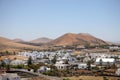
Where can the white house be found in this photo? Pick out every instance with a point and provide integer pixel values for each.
(61, 65)
(86, 59)
(10, 76)
(82, 66)
(112, 48)
(6, 61)
(17, 62)
(104, 61)
(43, 69)
(118, 72)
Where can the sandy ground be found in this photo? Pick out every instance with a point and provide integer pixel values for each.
(92, 78)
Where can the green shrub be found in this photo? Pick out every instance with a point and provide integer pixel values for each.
(104, 78)
(17, 66)
(66, 79)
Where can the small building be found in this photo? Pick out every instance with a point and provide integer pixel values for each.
(105, 61)
(61, 65)
(114, 48)
(10, 76)
(82, 66)
(80, 47)
(44, 61)
(6, 61)
(118, 72)
(43, 69)
(17, 62)
(117, 64)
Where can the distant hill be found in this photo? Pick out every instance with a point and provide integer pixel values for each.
(18, 40)
(110, 43)
(77, 39)
(7, 43)
(113, 43)
(68, 39)
(41, 40)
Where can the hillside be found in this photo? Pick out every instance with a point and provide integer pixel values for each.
(7, 43)
(18, 40)
(41, 40)
(77, 39)
(68, 39)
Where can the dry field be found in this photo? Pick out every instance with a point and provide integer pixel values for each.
(92, 78)
(12, 57)
(115, 53)
(78, 52)
(9, 44)
(11, 50)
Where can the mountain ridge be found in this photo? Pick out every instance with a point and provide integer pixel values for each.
(41, 40)
(18, 40)
(67, 39)
(80, 39)
(8, 43)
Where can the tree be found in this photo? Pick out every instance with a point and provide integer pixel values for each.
(3, 64)
(54, 60)
(7, 53)
(29, 61)
(108, 65)
(34, 67)
(14, 53)
(116, 58)
(89, 65)
(66, 61)
(101, 62)
(8, 67)
(52, 67)
(105, 78)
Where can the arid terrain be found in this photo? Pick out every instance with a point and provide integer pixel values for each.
(77, 39)
(68, 39)
(93, 78)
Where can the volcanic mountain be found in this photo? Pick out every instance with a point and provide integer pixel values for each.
(41, 40)
(7, 43)
(77, 39)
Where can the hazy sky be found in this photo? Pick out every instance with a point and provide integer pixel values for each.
(30, 19)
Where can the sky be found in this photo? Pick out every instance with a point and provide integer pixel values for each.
(31, 19)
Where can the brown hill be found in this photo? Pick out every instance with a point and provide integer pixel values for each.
(41, 40)
(77, 39)
(7, 43)
(18, 40)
